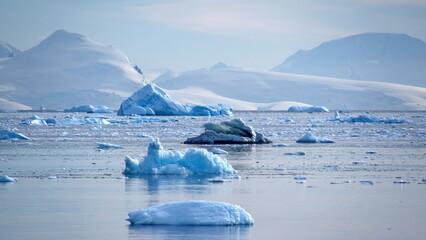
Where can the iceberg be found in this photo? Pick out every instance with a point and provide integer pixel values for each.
(162, 162)
(6, 135)
(368, 119)
(307, 109)
(6, 178)
(310, 138)
(106, 146)
(152, 100)
(233, 131)
(90, 109)
(69, 120)
(199, 213)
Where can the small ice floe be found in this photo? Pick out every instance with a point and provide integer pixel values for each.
(368, 119)
(348, 181)
(219, 151)
(52, 177)
(359, 162)
(163, 162)
(370, 182)
(279, 145)
(9, 135)
(310, 138)
(295, 153)
(331, 165)
(300, 181)
(299, 177)
(424, 180)
(401, 181)
(218, 180)
(336, 182)
(280, 169)
(307, 109)
(6, 179)
(370, 152)
(233, 131)
(106, 146)
(199, 213)
(90, 109)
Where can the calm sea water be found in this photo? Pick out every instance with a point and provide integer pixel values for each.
(90, 199)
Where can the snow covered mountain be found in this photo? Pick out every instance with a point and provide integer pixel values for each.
(383, 57)
(6, 50)
(67, 69)
(271, 90)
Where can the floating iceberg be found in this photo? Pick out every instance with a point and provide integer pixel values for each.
(310, 138)
(90, 109)
(219, 151)
(192, 161)
(6, 135)
(152, 100)
(6, 178)
(307, 109)
(108, 146)
(368, 119)
(234, 131)
(69, 120)
(200, 213)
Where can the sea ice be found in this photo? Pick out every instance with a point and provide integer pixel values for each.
(205, 213)
(233, 131)
(307, 109)
(152, 100)
(90, 109)
(310, 138)
(368, 119)
(6, 178)
(162, 162)
(7, 135)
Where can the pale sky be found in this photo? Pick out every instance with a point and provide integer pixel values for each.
(189, 34)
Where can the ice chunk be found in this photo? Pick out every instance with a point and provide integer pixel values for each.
(307, 109)
(152, 100)
(218, 180)
(295, 153)
(300, 177)
(219, 151)
(192, 161)
(279, 145)
(367, 182)
(368, 119)
(234, 131)
(310, 138)
(90, 109)
(6, 178)
(205, 213)
(7, 135)
(401, 181)
(108, 146)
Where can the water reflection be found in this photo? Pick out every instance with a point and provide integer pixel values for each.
(188, 232)
(153, 185)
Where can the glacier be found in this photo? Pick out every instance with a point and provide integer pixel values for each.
(162, 162)
(152, 100)
(233, 131)
(199, 213)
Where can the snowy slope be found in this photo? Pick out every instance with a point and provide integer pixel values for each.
(6, 50)
(269, 88)
(383, 57)
(68, 69)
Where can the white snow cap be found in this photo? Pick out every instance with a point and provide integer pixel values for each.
(203, 213)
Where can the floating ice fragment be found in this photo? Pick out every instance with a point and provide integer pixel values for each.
(307, 109)
(401, 181)
(52, 177)
(6, 178)
(295, 153)
(218, 180)
(219, 151)
(366, 182)
(106, 146)
(279, 145)
(202, 213)
(162, 162)
(359, 162)
(310, 138)
(331, 165)
(370, 152)
(301, 181)
(368, 119)
(300, 178)
(234, 131)
(89, 109)
(8, 135)
(280, 169)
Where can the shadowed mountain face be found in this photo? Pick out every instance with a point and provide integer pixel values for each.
(68, 69)
(384, 57)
